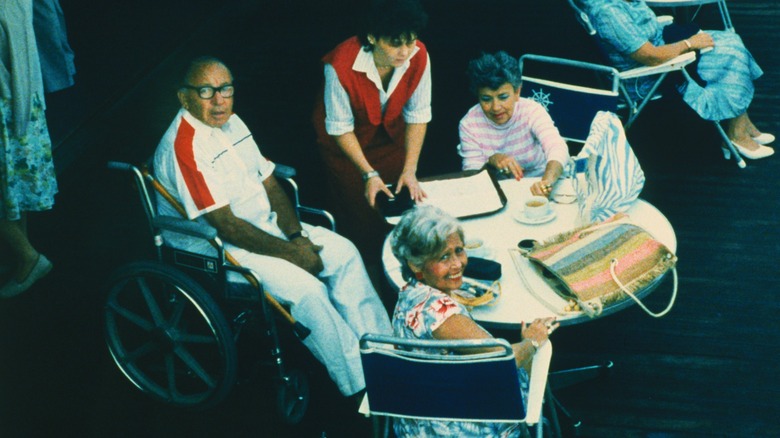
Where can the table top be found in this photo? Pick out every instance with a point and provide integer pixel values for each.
(681, 3)
(500, 233)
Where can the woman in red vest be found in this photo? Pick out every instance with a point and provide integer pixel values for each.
(372, 117)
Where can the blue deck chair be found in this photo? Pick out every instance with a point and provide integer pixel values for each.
(572, 107)
(414, 384)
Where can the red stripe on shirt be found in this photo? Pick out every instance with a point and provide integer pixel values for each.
(185, 157)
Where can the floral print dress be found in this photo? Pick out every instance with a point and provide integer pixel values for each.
(420, 310)
(27, 178)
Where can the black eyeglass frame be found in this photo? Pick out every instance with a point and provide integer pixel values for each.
(207, 91)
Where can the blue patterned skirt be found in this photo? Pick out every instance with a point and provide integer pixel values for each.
(729, 70)
(27, 178)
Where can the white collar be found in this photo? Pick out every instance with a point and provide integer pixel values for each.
(364, 63)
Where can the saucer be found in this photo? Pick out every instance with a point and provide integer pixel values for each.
(519, 216)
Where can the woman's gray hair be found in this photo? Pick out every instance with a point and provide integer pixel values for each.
(420, 235)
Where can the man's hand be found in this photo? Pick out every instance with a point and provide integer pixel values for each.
(306, 256)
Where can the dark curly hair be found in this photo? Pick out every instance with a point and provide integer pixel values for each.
(492, 71)
(392, 19)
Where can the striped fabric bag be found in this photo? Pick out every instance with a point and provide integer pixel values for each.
(607, 177)
(605, 263)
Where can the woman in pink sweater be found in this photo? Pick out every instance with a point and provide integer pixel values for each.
(513, 134)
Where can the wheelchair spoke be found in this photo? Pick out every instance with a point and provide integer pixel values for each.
(140, 352)
(178, 311)
(195, 339)
(154, 308)
(170, 371)
(131, 316)
(194, 366)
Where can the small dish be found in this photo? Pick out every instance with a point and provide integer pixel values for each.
(520, 216)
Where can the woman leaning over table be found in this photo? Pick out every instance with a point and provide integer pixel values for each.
(372, 117)
(629, 32)
(429, 245)
(513, 134)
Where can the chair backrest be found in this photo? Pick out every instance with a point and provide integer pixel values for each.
(413, 379)
(572, 107)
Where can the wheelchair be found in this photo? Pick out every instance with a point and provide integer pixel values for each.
(172, 324)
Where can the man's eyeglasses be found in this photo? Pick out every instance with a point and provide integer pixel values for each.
(207, 91)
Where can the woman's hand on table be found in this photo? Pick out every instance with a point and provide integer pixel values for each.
(506, 165)
(408, 179)
(541, 188)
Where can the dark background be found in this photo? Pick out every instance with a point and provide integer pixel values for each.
(707, 369)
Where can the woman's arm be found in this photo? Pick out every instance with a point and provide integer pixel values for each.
(349, 144)
(552, 172)
(413, 140)
(651, 55)
(463, 327)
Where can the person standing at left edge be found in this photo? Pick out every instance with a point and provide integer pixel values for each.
(372, 118)
(27, 178)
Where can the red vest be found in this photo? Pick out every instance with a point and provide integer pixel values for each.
(364, 98)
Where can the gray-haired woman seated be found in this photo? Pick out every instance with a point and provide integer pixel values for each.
(429, 245)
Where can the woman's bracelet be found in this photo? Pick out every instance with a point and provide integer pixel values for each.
(687, 43)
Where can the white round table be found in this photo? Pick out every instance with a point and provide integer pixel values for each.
(500, 233)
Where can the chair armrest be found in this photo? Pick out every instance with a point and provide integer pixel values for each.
(327, 217)
(674, 64)
(540, 367)
(665, 20)
(184, 226)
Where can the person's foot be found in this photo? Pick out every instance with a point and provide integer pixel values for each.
(14, 287)
(752, 150)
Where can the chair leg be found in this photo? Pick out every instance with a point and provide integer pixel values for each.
(566, 378)
(729, 150)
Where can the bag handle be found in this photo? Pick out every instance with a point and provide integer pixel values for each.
(613, 264)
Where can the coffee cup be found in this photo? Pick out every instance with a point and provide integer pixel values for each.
(475, 248)
(536, 207)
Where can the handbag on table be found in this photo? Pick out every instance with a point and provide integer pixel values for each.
(604, 263)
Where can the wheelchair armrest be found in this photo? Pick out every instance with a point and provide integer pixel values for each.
(671, 65)
(184, 226)
(284, 171)
(327, 218)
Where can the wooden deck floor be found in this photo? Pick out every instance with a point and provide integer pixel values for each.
(706, 369)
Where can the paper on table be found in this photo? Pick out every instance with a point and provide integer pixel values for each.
(461, 197)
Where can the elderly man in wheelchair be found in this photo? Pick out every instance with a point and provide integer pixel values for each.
(210, 164)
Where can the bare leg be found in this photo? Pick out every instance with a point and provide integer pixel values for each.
(14, 235)
(739, 129)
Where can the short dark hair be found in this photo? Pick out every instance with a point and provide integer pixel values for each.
(493, 70)
(196, 64)
(392, 19)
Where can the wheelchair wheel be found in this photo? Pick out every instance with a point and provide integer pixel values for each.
(168, 336)
(293, 396)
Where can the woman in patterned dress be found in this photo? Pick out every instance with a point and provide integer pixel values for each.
(27, 178)
(429, 245)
